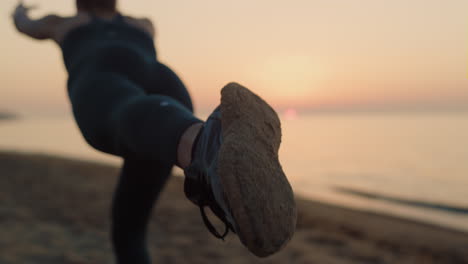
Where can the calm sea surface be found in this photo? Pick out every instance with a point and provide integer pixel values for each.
(411, 165)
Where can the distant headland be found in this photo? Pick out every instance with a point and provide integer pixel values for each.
(5, 115)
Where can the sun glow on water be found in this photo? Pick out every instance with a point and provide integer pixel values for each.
(290, 114)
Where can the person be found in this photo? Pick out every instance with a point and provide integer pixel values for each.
(127, 103)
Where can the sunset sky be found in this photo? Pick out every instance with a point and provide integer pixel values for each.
(304, 54)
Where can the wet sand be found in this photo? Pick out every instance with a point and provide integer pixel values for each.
(55, 210)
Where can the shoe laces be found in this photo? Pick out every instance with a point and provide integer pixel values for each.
(207, 200)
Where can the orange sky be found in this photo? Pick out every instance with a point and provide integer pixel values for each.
(299, 53)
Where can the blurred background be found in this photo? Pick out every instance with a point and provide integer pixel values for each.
(373, 95)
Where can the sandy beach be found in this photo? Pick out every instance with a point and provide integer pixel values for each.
(55, 210)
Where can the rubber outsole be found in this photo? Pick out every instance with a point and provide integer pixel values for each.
(254, 185)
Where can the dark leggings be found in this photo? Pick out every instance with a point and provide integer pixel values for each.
(140, 118)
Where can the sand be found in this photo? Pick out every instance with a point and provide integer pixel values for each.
(56, 210)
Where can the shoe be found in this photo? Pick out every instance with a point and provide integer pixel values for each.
(235, 171)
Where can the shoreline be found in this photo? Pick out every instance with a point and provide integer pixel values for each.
(115, 162)
(325, 233)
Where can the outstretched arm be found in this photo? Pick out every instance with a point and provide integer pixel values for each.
(43, 28)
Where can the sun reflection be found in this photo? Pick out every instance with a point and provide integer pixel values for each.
(290, 114)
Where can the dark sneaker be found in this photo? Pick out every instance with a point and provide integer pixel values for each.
(235, 171)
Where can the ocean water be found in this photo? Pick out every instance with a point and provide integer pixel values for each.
(409, 165)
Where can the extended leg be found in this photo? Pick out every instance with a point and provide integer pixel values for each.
(139, 186)
(118, 117)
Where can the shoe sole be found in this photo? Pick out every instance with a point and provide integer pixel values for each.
(254, 185)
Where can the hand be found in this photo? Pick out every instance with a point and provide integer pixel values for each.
(21, 9)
